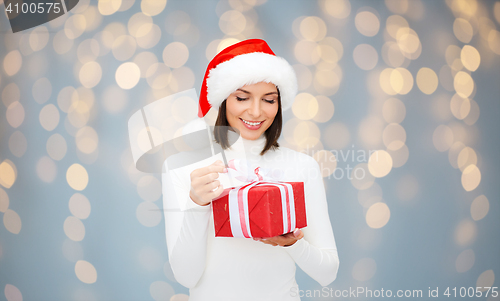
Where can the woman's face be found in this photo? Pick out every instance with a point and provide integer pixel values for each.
(251, 109)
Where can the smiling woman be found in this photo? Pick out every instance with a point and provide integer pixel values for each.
(250, 86)
(253, 110)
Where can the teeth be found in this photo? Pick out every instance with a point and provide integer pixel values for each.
(252, 123)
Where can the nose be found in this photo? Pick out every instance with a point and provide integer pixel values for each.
(255, 110)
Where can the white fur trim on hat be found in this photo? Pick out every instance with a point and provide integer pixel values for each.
(252, 68)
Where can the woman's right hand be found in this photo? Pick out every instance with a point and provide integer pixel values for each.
(204, 184)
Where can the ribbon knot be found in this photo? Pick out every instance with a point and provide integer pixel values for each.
(242, 171)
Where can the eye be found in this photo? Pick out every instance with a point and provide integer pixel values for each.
(240, 99)
(271, 101)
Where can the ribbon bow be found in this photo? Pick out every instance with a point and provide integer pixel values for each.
(242, 171)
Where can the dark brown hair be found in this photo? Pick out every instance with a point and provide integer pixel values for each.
(272, 133)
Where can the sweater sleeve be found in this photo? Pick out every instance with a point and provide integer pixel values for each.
(316, 253)
(186, 228)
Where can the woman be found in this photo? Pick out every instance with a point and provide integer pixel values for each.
(250, 86)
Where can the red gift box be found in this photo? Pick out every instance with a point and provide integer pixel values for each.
(267, 212)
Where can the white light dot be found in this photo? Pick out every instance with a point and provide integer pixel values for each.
(465, 261)
(15, 114)
(378, 215)
(394, 110)
(144, 60)
(161, 290)
(367, 23)
(149, 188)
(77, 177)
(442, 138)
(479, 207)
(175, 54)
(75, 26)
(12, 62)
(108, 7)
(49, 117)
(56, 146)
(471, 177)
(179, 297)
(364, 269)
(485, 280)
(153, 7)
(85, 271)
(380, 163)
(79, 206)
(465, 232)
(42, 89)
(365, 56)
(305, 106)
(87, 140)
(12, 293)
(90, 74)
(10, 94)
(74, 228)
(46, 169)
(127, 75)
(62, 43)
(124, 47)
(339, 9)
(12, 221)
(325, 109)
(427, 80)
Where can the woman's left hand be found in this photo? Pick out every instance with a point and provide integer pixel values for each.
(284, 240)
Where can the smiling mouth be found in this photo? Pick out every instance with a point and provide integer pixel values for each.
(252, 123)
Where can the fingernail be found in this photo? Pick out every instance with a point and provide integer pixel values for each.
(224, 170)
(296, 232)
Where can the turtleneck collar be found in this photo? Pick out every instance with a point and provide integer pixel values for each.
(251, 148)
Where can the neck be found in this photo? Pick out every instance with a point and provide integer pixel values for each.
(251, 148)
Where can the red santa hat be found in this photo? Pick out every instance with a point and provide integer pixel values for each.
(245, 63)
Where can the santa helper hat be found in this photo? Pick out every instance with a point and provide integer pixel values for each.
(245, 63)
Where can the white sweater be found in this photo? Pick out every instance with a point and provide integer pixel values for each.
(227, 268)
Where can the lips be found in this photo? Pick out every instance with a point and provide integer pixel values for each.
(252, 125)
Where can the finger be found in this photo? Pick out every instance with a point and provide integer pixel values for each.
(212, 186)
(268, 242)
(208, 178)
(217, 168)
(214, 194)
(221, 164)
(298, 233)
(218, 162)
(200, 172)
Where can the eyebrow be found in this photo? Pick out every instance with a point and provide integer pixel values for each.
(250, 93)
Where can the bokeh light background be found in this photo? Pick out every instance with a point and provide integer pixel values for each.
(412, 84)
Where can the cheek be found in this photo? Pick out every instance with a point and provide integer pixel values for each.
(271, 111)
(233, 108)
